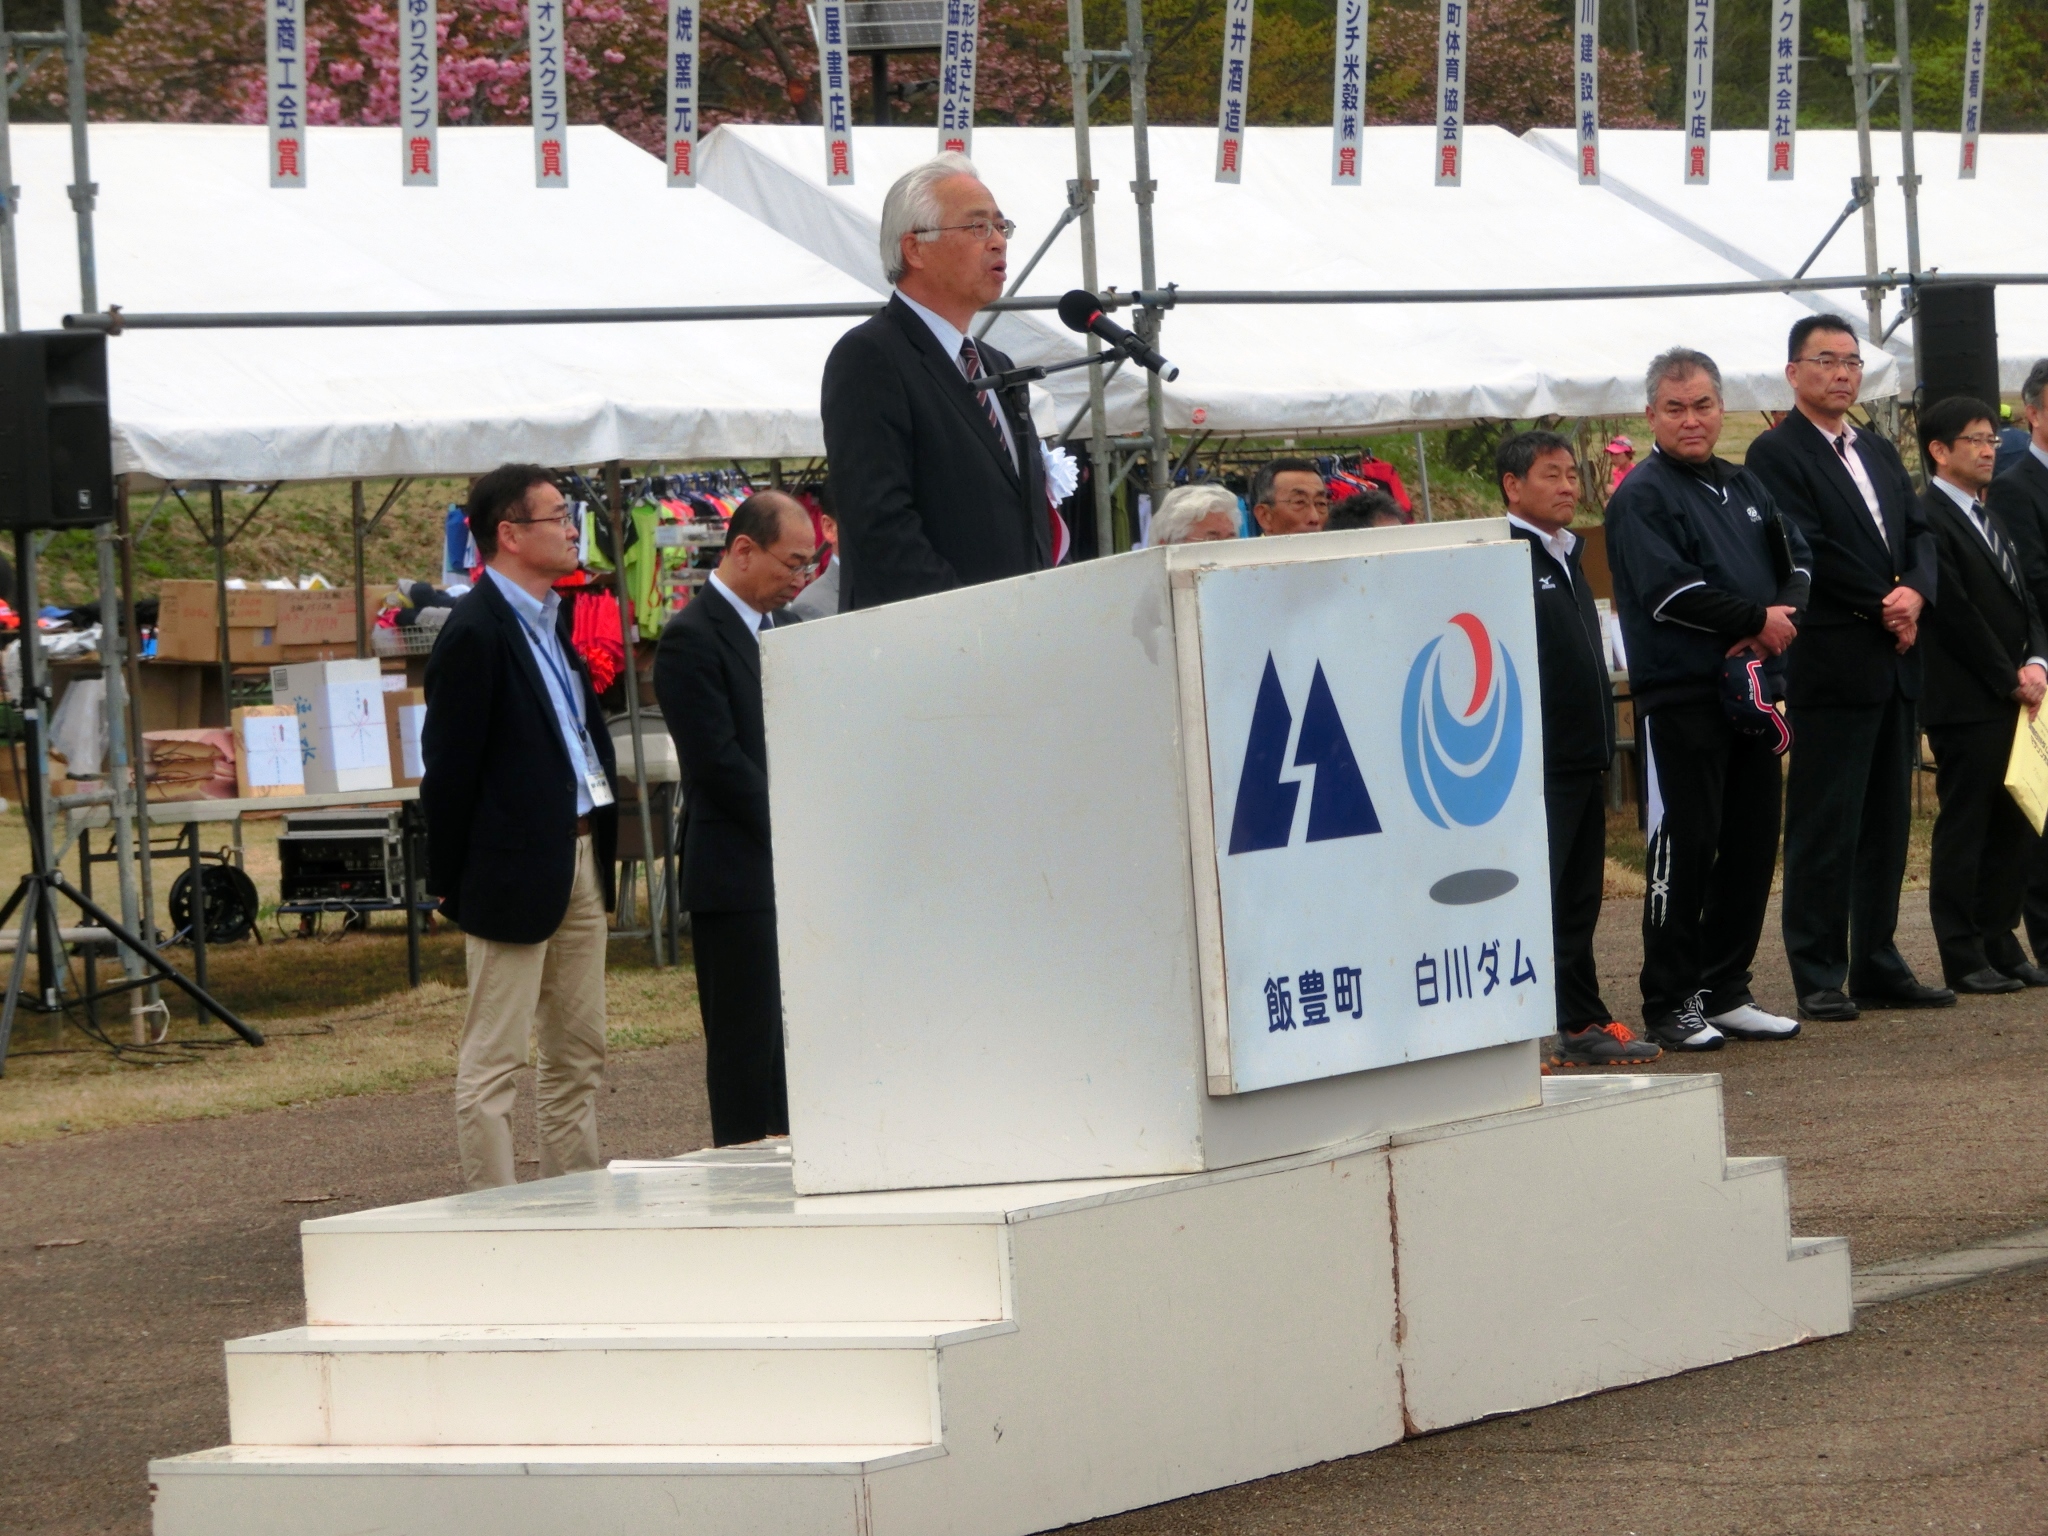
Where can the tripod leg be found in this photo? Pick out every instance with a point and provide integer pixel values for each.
(26, 895)
(160, 965)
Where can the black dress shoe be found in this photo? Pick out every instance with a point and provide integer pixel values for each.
(1829, 1006)
(1914, 994)
(2026, 972)
(1988, 980)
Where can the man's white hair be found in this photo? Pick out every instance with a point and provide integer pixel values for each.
(912, 206)
(1187, 505)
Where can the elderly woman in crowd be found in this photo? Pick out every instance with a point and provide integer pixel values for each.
(1194, 514)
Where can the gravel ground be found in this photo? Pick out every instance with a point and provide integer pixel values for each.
(1911, 1133)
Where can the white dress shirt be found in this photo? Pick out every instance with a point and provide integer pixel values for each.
(1845, 449)
(949, 337)
(2038, 452)
(1560, 544)
(752, 617)
(537, 617)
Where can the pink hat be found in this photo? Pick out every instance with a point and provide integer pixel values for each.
(1621, 445)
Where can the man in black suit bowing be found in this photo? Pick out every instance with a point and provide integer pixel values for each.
(519, 796)
(1853, 681)
(936, 485)
(707, 677)
(2019, 499)
(1985, 650)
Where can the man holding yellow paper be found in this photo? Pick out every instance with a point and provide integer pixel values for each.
(1985, 648)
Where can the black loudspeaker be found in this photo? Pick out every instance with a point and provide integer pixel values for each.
(1958, 343)
(56, 439)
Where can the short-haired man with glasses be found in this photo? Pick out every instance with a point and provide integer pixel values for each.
(1852, 683)
(519, 795)
(2019, 498)
(1985, 663)
(707, 677)
(1290, 496)
(937, 485)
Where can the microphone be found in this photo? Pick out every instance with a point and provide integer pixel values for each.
(1080, 311)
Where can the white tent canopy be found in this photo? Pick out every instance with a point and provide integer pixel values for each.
(1519, 220)
(187, 222)
(1995, 223)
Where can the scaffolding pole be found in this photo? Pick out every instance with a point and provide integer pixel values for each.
(1143, 189)
(1081, 195)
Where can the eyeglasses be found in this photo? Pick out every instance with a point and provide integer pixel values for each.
(981, 229)
(1981, 439)
(566, 519)
(1296, 500)
(1832, 360)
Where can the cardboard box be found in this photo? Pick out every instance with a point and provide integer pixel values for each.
(250, 644)
(293, 654)
(340, 705)
(317, 618)
(188, 621)
(269, 752)
(405, 718)
(255, 608)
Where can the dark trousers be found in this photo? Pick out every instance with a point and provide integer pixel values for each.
(739, 991)
(1977, 878)
(1848, 814)
(1576, 810)
(1713, 825)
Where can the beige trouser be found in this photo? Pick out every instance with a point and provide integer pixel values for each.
(553, 994)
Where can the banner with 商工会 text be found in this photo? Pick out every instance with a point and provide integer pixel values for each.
(1973, 88)
(1237, 70)
(956, 76)
(1586, 89)
(419, 93)
(284, 57)
(1347, 103)
(548, 86)
(1453, 18)
(1784, 87)
(829, 19)
(1699, 89)
(681, 156)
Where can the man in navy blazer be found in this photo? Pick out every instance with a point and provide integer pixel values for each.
(1853, 680)
(520, 798)
(707, 677)
(935, 485)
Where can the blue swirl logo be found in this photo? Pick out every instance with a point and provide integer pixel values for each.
(1462, 763)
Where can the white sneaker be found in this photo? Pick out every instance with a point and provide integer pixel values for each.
(1750, 1022)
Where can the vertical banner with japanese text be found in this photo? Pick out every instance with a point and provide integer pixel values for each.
(1973, 89)
(549, 88)
(284, 39)
(1452, 20)
(1586, 89)
(1237, 69)
(1699, 88)
(1784, 87)
(1347, 104)
(837, 103)
(956, 76)
(419, 93)
(682, 93)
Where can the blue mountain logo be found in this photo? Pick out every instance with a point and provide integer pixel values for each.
(1338, 806)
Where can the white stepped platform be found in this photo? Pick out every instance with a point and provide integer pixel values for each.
(691, 1347)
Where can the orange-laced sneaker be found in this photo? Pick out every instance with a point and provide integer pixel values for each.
(1612, 1044)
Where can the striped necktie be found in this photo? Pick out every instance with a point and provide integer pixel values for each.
(2000, 550)
(970, 365)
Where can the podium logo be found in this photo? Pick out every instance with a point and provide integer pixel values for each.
(1338, 805)
(1462, 762)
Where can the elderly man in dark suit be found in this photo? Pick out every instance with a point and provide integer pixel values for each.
(936, 485)
(2019, 499)
(1985, 650)
(707, 676)
(519, 795)
(1852, 684)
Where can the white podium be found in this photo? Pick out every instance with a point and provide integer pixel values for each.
(1165, 944)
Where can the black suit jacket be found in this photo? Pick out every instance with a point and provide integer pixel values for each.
(2020, 498)
(1981, 631)
(1844, 654)
(927, 496)
(1578, 693)
(707, 678)
(500, 790)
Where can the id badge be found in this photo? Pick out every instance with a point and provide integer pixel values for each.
(600, 788)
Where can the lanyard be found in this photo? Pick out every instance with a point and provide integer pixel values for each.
(555, 668)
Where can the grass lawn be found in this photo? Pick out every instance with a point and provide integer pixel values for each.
(335, 1009)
